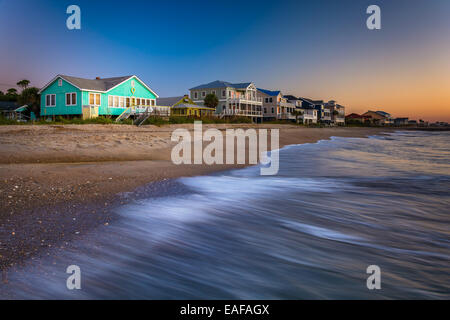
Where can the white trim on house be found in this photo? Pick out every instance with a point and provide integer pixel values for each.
(53, 80)
(95, 94)
(50, 95)
(71, 100)
(142, 82)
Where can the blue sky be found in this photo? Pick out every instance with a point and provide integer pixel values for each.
(319, 49)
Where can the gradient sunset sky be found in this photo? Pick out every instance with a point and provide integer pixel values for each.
(317, 49)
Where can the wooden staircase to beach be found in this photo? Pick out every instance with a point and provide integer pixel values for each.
(142, 117)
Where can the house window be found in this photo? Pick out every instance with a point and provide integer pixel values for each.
(110, 101)
(267, 100)
(273, 110)
(50, 100)
(127, 100)
(94, 99)
(224, 93)
(213, 92)
(270, 100)
(60, 83)
(116, 101)
(195, 95)
(71, 99)
(121, 102)
(265, 110)
(138, 101)
(153, 103)
(203, 93)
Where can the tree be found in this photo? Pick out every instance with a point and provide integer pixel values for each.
(23, 83)
(11, 91)
(11, 95)
(211, 101)
(30, 97)
(297, 113)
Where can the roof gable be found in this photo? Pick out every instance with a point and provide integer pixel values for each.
(222, 84)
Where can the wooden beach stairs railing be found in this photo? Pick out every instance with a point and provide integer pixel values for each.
(125, 114)
(141, 113)
(143, 116)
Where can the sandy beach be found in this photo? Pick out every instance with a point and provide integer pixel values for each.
(57, 182)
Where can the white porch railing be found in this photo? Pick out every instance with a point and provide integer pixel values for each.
(246, 100)
(236, 112)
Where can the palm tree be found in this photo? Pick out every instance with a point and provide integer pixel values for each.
(23, 83)
(297, 113)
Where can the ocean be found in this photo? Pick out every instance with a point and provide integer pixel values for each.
(310, 232)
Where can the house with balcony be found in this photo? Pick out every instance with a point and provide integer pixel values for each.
(323, 111)
(79, 97)
(235, 99)
(275, 106)
(337, 112)
(308, 112)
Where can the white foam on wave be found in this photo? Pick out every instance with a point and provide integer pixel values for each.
(322, 232)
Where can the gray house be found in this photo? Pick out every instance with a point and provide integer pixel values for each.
(235, 99)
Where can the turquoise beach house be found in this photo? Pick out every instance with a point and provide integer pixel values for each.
(88, 98)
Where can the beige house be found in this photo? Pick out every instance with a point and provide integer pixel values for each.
(275, 105)
(235, 99)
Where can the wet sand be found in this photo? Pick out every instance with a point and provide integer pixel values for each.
(58, 182)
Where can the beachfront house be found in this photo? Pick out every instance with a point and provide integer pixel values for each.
(308, 112)
(376, 118)
(354, 118)
(323, 111)
(275, 105)
(401, 121)
(69, 96)
(11, 110)
(184, 106)
(337, 112)
(235, 99)
(387, 117)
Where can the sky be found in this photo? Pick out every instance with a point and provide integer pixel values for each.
(317, 49)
